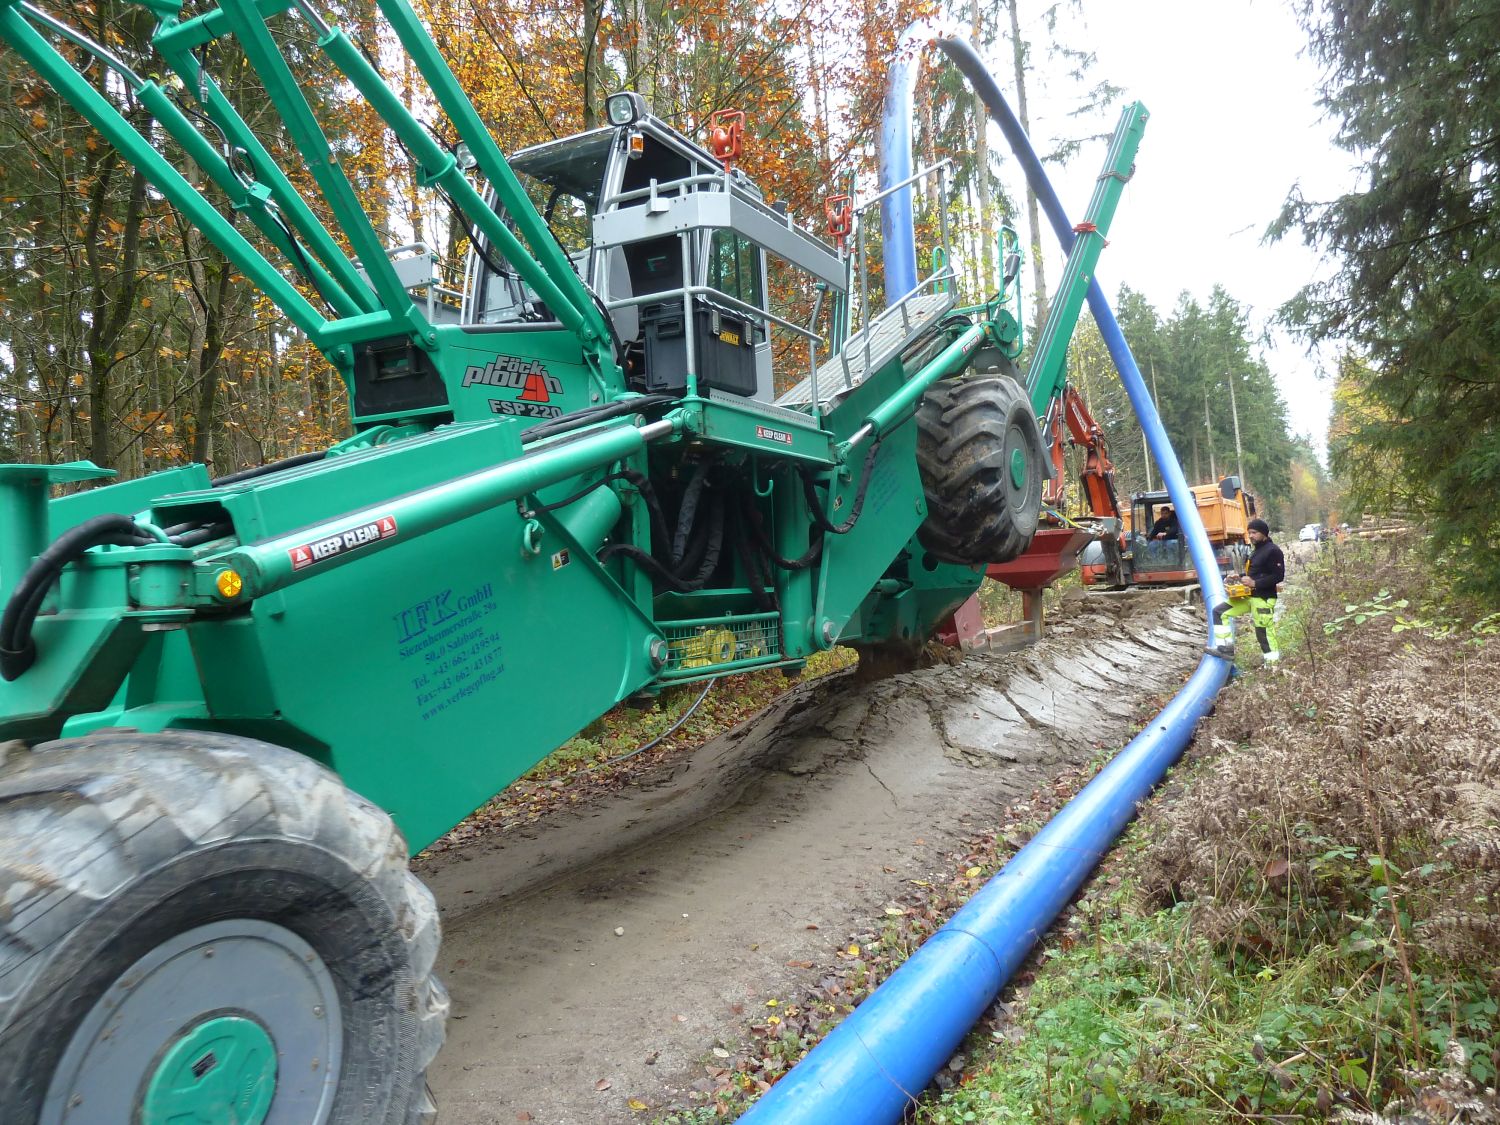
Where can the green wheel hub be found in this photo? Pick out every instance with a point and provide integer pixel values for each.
(224, 1069)
(233, 1023)
(1018, 467)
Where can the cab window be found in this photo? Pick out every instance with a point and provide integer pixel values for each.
(734, 267)
(564, 182)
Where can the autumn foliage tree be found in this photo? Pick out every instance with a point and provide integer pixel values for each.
(126, 337)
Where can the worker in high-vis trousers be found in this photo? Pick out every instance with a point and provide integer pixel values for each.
(1265, 569)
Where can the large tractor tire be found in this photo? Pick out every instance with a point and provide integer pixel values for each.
(980, 452)
(197, 929)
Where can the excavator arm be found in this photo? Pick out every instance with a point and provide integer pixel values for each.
(1070, 423)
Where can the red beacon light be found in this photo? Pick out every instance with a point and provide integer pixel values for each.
(726, 134)
(839, 210)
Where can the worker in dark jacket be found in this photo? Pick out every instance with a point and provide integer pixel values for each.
(1167, 526)
(1264, 570)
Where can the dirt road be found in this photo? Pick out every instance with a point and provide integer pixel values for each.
(602, 955)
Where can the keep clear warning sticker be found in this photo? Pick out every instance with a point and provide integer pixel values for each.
(332, 546)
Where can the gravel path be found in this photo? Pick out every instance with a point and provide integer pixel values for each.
(598, 956)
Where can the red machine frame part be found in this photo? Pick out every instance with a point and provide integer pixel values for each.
(1053, 553)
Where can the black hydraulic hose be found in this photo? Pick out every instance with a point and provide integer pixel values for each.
(273, 467)
(820, 517)
(204, 534)
(592, 414)
(702, 535)
(609, 323)
(671, 730)
(715, 547)
(763, 541)
(713, 540)
(17, 647)
(764, 602)
(687, 511)
(575, 497)
(478, 241)
(695, 548)
(646, 561)
(657, 518)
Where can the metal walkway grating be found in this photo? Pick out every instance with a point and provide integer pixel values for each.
(889, 334)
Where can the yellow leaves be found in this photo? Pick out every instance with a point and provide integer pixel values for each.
(973, 872)
(637, 1105)
(145, 302)
(853, 950)
(38, 120)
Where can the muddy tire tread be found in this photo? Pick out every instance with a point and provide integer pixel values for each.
(974, 515)
(83, 819)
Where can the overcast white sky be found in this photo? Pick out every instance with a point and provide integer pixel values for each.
(1234, 123)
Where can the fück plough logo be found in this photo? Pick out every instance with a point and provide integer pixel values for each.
(531, 378)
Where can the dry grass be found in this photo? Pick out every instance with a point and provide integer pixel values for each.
(1303, 922)
(1373, 763)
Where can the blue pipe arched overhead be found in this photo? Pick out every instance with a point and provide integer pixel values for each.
(876, 1063)
(898, 244)
(967, 59)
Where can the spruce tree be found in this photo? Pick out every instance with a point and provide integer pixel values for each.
(1415, 88)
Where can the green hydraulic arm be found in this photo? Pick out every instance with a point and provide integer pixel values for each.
(1048, 373)
(354, 310)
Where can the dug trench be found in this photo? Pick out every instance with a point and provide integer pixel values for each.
(597, 957)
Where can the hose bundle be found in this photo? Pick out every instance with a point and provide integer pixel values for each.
(17, 648)
(686, 561)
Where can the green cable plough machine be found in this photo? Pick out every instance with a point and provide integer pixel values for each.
(230, 707)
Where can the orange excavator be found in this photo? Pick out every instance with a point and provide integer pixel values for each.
(1098, 476)
(1138, 559)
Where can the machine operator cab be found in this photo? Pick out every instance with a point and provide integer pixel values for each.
(650, 221)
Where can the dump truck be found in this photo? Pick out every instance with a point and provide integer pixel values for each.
(231, 707)
(1226, 510)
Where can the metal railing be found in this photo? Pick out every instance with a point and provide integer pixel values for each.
(655, 191)
(901, 307)
(860, 322)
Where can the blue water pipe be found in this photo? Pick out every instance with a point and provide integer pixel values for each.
(878, 1061)
(898, 241)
